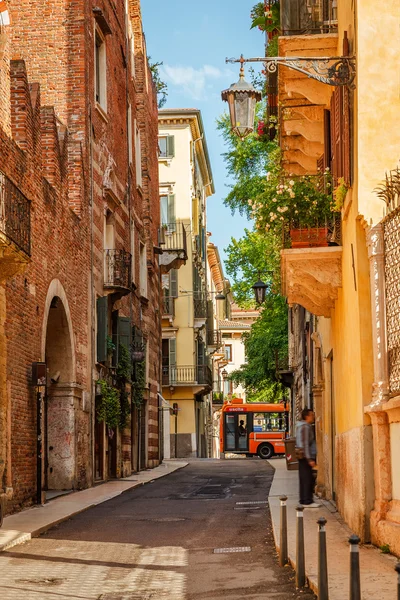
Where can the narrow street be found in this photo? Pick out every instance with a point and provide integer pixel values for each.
(159, 541)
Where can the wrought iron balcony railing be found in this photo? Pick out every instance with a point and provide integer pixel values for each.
(214, 338)
(200, 305)
(15, 215)
(117, 269)
(173, 237)
(325, 232)
(168, 306)
(187, 375)
(300, 17)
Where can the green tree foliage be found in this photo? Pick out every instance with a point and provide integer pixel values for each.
(267, 341)
(250, 257)
(161, 86)
(247, 163)
(257, 253)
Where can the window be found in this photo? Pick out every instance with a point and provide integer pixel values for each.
(264, 422)
(226, 336)
(131, 43)
(228, 352)
(167, 209)
(100, 70)
(102, 328)
(133, 274)
(143, 270)
(130, 133)
(138, 157)
(228, 387)
(166, 145)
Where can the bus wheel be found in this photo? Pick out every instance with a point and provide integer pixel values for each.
(265, 451)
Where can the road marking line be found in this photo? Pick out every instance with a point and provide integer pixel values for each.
(229, 550)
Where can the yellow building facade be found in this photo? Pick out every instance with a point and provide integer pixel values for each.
(185, 185)
(343, 285)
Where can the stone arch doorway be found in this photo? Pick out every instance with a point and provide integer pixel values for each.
(61, 401)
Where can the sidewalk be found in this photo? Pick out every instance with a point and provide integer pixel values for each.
(378, 577)
(32, 522)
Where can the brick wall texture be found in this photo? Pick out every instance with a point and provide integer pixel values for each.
(70, 158)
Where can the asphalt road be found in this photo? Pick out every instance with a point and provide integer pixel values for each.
(162, 541)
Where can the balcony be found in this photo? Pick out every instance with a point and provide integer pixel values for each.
(117, 271)
(284, 370)
(15, 229)
(214, 338)
(168, 306)
(311, 270)
(173, 240)
(200, 305)
(300, 17)
(218, 398)
(187, 375)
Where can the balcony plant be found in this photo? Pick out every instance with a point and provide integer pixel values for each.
(301, 202)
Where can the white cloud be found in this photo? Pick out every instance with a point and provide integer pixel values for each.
(193, 82)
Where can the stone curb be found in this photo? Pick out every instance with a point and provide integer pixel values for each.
(25, 537)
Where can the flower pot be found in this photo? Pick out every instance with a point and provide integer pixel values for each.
(309, 237)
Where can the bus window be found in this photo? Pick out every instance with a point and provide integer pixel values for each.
(264, 422)
(242, 431)
(230, 431)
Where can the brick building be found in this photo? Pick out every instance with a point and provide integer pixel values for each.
(79, 220)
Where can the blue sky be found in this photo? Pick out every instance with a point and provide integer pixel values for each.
(192, 40)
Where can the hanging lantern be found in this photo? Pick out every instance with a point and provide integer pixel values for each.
(260, 290)
(242, 98)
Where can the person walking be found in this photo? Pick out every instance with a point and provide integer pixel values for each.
(306, 452)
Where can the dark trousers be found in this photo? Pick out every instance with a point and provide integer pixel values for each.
(306, 481)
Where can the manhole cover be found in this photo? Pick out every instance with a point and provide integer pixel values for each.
(232, 550)
(254, 502)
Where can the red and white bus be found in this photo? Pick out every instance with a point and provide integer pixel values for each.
(254, 428)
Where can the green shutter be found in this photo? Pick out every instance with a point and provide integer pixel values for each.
(172, 352)
(102, 328)
(171, 212)
(170, 146)
(173, 283)
(124, 332)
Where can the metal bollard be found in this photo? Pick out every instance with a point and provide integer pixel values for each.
(355, 583)
(323, 591)
(397, 568)
(300, 558)
(283, 554)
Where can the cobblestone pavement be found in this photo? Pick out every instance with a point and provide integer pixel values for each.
(159, 542)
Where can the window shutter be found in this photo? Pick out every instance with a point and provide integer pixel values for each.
(172, 352)
(102, 328)
(171, 212)
(170, 146)
(124, 332)
(327, 140)
(173, 284)
(172, 361)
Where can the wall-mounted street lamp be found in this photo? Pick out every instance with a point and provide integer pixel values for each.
(260, 290)
(242, 97)
(224, 374)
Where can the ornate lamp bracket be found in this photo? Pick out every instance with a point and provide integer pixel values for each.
(333, 70)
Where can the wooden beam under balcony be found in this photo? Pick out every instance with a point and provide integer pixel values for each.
(312, 277)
